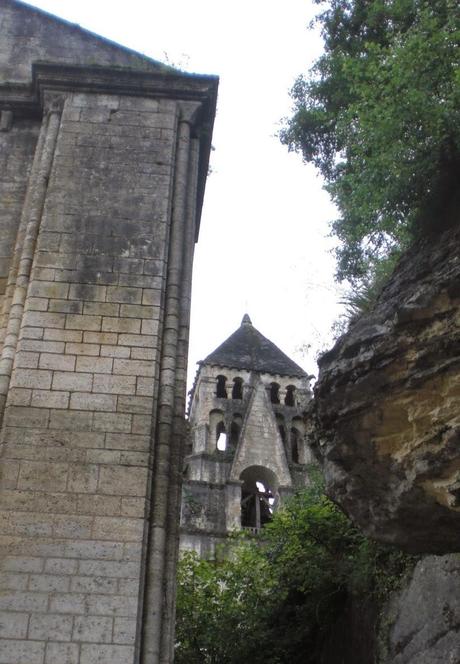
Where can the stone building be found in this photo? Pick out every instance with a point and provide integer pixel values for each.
(103, 161)
(247, 448)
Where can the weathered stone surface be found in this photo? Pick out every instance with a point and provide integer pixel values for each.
(425, 617)
(387, 405)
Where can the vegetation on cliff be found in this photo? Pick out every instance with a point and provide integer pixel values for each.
(279, 600)
(379, 116)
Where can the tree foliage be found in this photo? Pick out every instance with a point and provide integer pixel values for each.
(278, 600)
(379, 116)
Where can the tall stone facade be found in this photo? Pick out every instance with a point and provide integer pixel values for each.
(247, 447)
(103, 161)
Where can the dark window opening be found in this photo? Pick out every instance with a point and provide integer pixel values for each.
(295, 443)
(290, 398)
(274, 393)
(221, 390)
(237, 391)
(234, 434)
(282, 430)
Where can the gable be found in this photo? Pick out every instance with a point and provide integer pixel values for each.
(28, 35)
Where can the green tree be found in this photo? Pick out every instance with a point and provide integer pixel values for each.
(277, 600)
(379, 116)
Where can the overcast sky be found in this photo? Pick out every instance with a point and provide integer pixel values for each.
(263, 246)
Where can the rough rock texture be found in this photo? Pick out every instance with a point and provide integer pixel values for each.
(425, 617)
(387, 406)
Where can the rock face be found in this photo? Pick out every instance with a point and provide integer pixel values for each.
(387, 406)
(425, 617)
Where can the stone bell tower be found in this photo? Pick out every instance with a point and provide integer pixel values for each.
(247, 449)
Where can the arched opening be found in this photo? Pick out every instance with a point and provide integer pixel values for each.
(235, 429)
(221, 437)
(295, 445)
(290, 396)
(221, 390)
(274, 393)
(257, 497)
(237, 391)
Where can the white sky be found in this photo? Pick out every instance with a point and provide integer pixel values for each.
(263, 246)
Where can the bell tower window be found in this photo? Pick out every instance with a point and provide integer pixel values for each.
(237, 391)
(221, 390)
(274, 393)
(290, 396)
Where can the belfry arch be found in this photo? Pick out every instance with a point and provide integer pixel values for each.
(258, 496)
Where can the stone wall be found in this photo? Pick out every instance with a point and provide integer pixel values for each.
(103, 172)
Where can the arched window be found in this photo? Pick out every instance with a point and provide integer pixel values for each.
(234, 434)
(290, 396)
(221, 390)
(221, 437)
(237, 391)
(295, 445)
(274, 393)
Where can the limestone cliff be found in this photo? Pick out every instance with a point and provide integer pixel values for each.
(387, 405)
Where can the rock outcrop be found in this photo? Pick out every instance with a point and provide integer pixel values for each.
(422, 623)
(387, 405)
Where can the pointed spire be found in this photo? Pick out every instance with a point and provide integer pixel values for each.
(246, 320)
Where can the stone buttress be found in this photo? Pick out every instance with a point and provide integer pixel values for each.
(103, 161)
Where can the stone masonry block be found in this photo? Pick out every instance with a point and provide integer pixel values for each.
(94, 585)
(101, 308)
(21, 652)
(57, 362)
(62, 653)
(133, 367)
(31, 378)
(41, 476)
(75, 336)
(83, 349)
(124, 631)
(70, 421)
(95, 364)
(50, 627)
(112, 422)
(122, 481)
(119, 529)
(74, 382)
(60, 566)
(114, 384)
(13, 625)
(83, 478)
(49, 583)
(92, 401)
(50, 399)
(66, 306)
(135, 404)
(115, 351)
(106, 654)
(131, 325)
(124, 295)
(77, 322)
(93, 630)
(43, 319)
(100, 337)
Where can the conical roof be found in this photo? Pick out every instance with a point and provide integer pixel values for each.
(248, 349)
